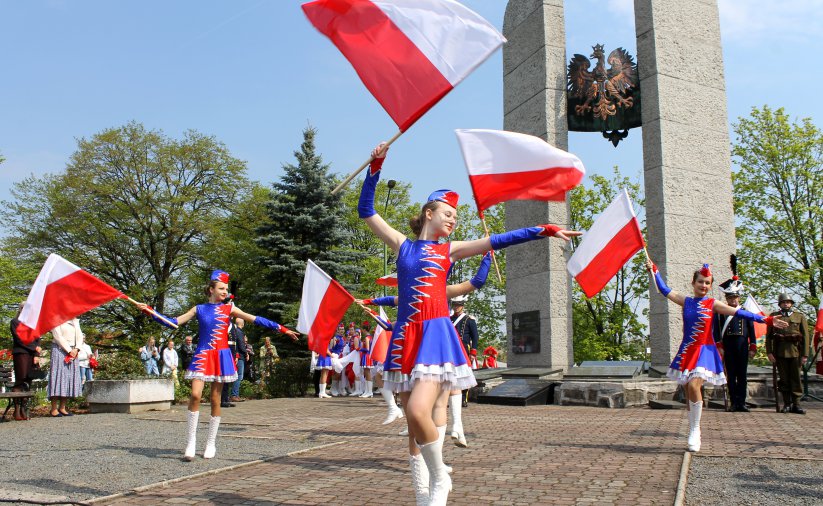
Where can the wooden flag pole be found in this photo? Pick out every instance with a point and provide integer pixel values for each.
(494, 258)
(152, 311)
(360, 169)
(646, 252)
(371, 313)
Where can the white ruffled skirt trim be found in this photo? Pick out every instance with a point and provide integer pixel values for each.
(451, 377)
(193, 375)
(683, 377)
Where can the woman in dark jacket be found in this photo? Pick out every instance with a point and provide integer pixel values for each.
(26, 356)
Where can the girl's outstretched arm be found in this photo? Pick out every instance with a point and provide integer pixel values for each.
(263, 322)
(365, 206)
(464, 249)
(667, 292)
(180, 320)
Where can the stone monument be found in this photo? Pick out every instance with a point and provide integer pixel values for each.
(686, 160)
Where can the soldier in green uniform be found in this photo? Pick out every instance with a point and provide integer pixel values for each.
(788, 348)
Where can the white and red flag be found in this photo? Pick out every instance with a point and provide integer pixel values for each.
(818, 327)
(408, 53)
(513, 166)
(612, 240)
(752, 306)
(62, 291)
(380, 341)
(322, 307)
(387, 280)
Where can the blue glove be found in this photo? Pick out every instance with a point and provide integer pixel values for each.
(747, 315)
(160, 321)
(661, 285)
(365, 206)
(390, 301)
(265, 322)
(482, 273)
(521, 235)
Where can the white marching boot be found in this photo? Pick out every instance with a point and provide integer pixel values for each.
(369, 390)
(191, 446)
(394, 412)
(456, 407)
(358, 388)
(211, 449)
(404, 432)
(695, 412)
(439, 480)
(420, 479)
(441, 434)
(323, 394)
(335, 386)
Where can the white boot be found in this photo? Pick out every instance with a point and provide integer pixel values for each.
(191, 446)
(323, 394)
(394, 411)
(439, 479)
(695, 412)
(456, 407)
(211, 449)
(420, 479)
(369, 390)
(358, 388)
(404, 432)
(441, 434)
(335, 388)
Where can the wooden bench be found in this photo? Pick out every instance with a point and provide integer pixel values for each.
(20, 398)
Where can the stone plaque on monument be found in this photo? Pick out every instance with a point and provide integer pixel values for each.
(518, 392)
(526, 332)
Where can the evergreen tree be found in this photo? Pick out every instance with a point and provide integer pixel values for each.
(304, 223)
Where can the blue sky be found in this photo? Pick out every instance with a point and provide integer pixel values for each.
(254, 73)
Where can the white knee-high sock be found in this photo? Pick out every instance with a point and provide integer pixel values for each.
(191, 445)
(211, 448)
(456, 408)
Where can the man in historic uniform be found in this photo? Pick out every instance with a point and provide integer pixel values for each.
(737, 341)
(466, 327)
(788, 348)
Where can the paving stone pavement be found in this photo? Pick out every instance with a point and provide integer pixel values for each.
(533, 455)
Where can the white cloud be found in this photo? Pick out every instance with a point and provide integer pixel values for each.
(751, 22)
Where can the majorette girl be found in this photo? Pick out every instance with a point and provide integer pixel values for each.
(425, 359)
(212, 362)
(698, 360)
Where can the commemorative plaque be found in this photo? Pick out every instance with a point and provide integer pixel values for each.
(526, 332)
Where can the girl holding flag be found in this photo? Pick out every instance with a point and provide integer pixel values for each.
(213, 361)
(426, 359)
(698, 361)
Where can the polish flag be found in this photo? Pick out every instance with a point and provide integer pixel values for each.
(819, 325)
(408, 53)
(387, 280)
(380, 341)
(606, 247)
(322, 307)
(62, 291)
(752, 306)
(513, 166)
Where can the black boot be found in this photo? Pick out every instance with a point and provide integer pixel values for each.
(787, 404)
(797, 409)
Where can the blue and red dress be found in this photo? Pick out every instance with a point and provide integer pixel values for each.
(698, 356)
(424, 344)
(213, 360)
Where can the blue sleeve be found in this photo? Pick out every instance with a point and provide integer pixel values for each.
(661, 285)
(521, 235)
(390, 301)
(161, 322)
(479, 279)
(746, 315)
(265, 322)
(472, 328)
(365, 206)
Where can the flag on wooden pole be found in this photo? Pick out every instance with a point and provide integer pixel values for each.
(322, 307)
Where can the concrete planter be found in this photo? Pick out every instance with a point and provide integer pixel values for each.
(129, 396)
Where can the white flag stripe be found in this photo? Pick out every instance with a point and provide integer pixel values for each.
(379, 330)
(752, 306)
(454, 38)
(500, 152)
(315, 284)
(55, 268)
(606, 226)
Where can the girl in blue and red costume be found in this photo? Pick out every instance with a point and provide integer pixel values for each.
(697, 360)
(425, 359)
(212, 362)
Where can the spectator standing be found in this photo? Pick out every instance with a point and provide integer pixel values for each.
(26, 356)
(186, 353)
(150, 355)
(242, 355)
(788, 348)
(251, 367)
(269, 356)
(170, 361)
(64, 373)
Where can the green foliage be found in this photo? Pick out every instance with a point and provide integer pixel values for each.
(778, 198)
(303, 222)
(120, 365)
(612, 324)
(289, 378)
(251, 390)
(15, 281)
(133, 207)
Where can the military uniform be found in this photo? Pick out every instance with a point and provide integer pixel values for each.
(788, 346)
(466, 326)
(737, 339)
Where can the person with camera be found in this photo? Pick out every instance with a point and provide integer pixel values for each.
(150, 356)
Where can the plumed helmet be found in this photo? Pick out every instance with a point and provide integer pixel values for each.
(459, 300)
(732, 286)
(783, 297)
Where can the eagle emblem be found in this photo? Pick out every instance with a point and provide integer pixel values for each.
(602, 98)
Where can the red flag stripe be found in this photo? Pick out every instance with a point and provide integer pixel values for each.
(549, 184)
(610, 259)
(331, 310)
(394, 70)
(66, 298)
